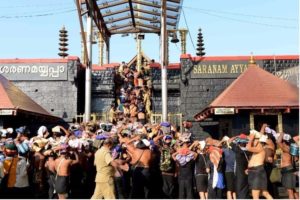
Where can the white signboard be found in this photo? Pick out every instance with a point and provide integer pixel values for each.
(224, 111)
(6, 112)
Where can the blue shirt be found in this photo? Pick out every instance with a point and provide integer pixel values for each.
(229, 157)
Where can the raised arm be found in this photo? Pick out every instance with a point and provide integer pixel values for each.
(251, 148)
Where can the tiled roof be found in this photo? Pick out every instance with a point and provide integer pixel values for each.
(12, 98)
(257, 88)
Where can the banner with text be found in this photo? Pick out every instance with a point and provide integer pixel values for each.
(220, 69)
(34, 71)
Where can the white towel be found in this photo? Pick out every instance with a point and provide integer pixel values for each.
(215, 177)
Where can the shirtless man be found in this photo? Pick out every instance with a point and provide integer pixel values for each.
(287, 170)
(133, 112)
(38, 166)
(140, 161)
(62, 168)
(50, 167)
(257, 177)
(269, 148)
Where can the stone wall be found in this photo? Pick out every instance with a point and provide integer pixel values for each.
(59, 98)
(173, 90)
(103, 90)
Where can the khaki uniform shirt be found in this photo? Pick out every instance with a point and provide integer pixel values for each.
(105, 171)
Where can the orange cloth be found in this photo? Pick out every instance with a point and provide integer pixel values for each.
(12, 171)
(183, 151)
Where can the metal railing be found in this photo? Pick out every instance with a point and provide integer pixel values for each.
(173, 118)
(94, 117)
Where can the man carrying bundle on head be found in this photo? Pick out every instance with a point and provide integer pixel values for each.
(186, 160)
(62, 168)
(140, 158)
(241, 164)
(257, 177)
(287, 169)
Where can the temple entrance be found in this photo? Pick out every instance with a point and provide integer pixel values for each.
(271, 120)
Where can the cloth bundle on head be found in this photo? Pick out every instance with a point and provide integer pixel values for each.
(2, 157)
(165, 127)
(202, 144)
(2, 144)
(10, 146)
(286, 137)
(268, 130)
(114, 130)
(3, 133)
(21, 129)
(242, 138)
(74, 127)
(77, 143)
(63, 148)
(10, 130)
(41, 131)
(226, 140)
(263, 138)
(255, 133)
(146, 142)
(78, 133)
(125, 132)
(23, 148)
(10, 149)
(185, 137)
(167, 138)
(39, 144)
(139, 131)
(103, 136)
(56, 129)
(184, 159)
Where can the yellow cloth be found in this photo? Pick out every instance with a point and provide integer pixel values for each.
(105, 171)
(12, 171)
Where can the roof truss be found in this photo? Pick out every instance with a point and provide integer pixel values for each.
(112, 16)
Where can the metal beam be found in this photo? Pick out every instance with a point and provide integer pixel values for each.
(111, 4)
(163, 61)
(154, 5)
(130, 24)
(82, 33)
(117, 19)
(116, 12)
(174, 1)
(98, 19)
(153, 13)
(134, 30)
(152, 20)
(131, 12)
(138, 17)
(120, 26)
(147, 26)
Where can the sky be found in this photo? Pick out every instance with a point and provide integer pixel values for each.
(29, 29)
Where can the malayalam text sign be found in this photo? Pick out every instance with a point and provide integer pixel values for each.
(34, 71)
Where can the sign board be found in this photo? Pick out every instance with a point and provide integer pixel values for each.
(224, 111)
(34, 71)
(6, 112)
(220, 69)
